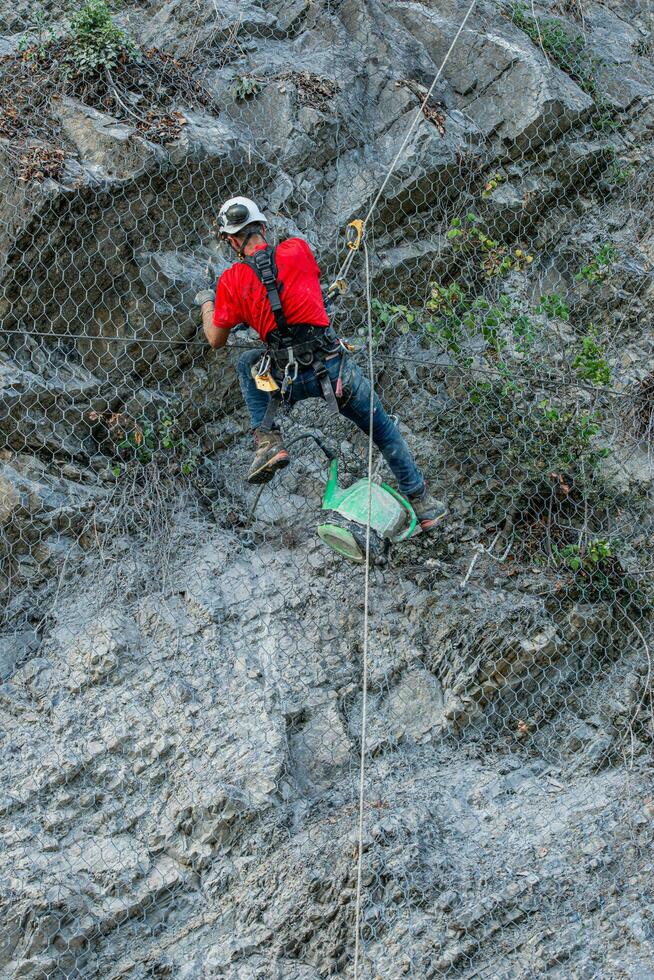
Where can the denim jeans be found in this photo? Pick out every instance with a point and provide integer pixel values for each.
(354, 405)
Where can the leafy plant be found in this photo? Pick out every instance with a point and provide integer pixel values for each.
(245, 87)
(598, 267)
(618, 174)
(495, 259)
(96, 42)
(590, 363)
(143, 442)
(586, 558)
(391, 315)
(460, 318)
(563, 47)
(571, 436)
(491, 184)
(34, 46)
(599, 574)
(93, 62)
(553, 305)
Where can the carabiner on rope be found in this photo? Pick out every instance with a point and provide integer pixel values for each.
(354, 232)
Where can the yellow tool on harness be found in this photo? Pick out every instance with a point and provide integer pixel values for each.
(263, 379)
(266, 382)
(354, 232)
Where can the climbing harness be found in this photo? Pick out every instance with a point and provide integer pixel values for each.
(292, 347)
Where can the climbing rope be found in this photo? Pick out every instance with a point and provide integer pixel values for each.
(366, 594)
(358, 242)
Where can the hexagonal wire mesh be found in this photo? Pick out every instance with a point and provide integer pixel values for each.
(182, 676)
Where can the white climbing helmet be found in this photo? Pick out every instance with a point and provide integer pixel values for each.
(236, 214)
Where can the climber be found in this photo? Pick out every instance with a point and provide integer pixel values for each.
(277, 292)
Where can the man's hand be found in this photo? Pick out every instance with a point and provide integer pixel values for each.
(204, 296)
(205, 299)
(207, 295)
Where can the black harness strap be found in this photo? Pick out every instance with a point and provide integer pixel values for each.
(325, 382)
(274, 404)
(264, 266)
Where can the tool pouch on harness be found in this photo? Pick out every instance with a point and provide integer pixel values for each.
(291, 347)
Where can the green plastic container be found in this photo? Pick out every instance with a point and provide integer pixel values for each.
(343, 527)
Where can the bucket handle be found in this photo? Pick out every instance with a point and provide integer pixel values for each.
(407, 506)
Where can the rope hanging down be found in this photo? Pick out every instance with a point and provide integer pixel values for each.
(366, 593)
(357, 240)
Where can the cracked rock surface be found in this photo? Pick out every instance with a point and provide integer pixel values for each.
(180, 688)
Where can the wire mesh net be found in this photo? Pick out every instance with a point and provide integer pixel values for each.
(180, 654)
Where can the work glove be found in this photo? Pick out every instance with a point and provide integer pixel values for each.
(208, 295)
(204, 296)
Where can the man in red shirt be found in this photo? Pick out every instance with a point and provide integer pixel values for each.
(277, 292)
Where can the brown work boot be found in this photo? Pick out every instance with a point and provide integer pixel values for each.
(428, 509)
(269, 457)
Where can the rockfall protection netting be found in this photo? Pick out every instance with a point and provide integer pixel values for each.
(180, 706)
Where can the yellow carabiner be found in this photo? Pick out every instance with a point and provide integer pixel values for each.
(354, 232)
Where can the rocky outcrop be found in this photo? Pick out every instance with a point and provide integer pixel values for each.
(181, 679)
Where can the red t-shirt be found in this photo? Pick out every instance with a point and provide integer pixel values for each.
(242, 298)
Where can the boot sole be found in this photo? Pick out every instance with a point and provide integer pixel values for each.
(268, 469)
(431, 523)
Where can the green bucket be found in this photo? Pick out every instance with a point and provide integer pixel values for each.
(343, 527)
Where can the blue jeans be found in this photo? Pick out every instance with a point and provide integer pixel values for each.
(354, 405)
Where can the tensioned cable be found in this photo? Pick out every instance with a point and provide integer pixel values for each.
(487, 370)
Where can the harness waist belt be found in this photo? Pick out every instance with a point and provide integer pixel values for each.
(307, 342)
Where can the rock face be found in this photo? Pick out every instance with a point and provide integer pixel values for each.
(181, 677)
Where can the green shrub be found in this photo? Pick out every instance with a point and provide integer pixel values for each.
(140, 443)
(570, 53)
(598, 267)
(568, 437)
(451, 318)
(580, 558)
(469, 237)
(96, 42)
(34, 45)
(394, 316)
(460, 316)
(598, 574)
(553, 305)
(618, 174)
(491, 184)
(245, 87)
(590, 364)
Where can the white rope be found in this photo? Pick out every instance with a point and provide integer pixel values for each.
(414, 122)
(366, 594)
(364, 682)
(419, 114)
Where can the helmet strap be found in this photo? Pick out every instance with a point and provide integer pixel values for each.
(241, 251)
